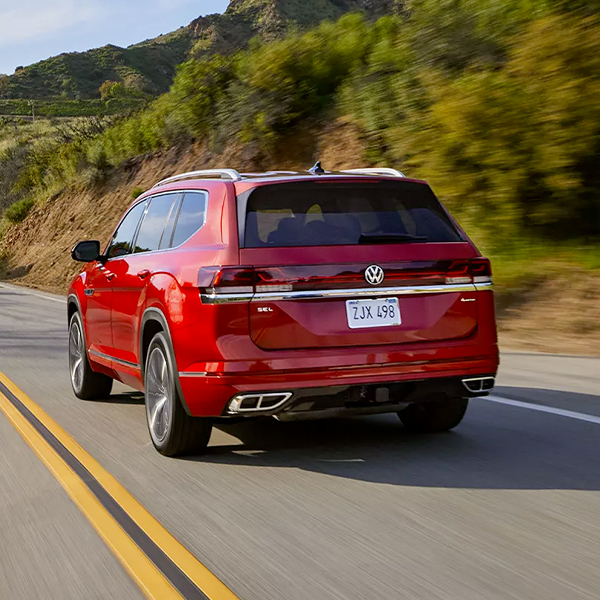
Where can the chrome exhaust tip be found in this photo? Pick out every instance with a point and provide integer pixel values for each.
(478, 385)
(257, 403)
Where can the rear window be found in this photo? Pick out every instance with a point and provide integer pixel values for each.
(192, 216)
(332, 214)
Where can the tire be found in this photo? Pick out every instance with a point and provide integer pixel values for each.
(172, 430)
(434, 417)
(86, 383)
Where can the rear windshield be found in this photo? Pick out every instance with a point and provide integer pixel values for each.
(332, 214)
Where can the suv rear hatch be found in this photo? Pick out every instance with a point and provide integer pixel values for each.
(354, 262)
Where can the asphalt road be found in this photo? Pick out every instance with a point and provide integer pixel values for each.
(505, 507)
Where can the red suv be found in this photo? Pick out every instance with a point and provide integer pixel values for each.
(295, 295)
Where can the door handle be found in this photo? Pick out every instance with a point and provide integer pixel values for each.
(110, 276)
(143, 274)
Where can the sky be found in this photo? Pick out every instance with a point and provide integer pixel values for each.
(32, 30)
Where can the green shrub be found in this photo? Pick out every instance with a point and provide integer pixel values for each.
(518, 153)
(19, 210)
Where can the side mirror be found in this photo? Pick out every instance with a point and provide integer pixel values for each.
(86, 251)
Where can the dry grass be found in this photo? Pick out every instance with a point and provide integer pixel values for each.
(560, 314)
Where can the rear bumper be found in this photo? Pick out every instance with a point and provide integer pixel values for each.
(377, 398)
(208, 394)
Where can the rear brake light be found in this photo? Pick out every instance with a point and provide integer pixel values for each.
(226, 280)
(474, 270)
(246, 281)
(272, 280)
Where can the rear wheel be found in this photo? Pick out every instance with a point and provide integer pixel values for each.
(172, 430)
(86, 384)
(434, 417)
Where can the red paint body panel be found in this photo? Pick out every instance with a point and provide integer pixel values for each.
(298, 324)
(302, 343)
(98, 309)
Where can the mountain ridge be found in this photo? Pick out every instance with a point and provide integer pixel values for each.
(149, 66)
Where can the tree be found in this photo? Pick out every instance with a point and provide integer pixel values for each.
(111, 89)
(4, 85)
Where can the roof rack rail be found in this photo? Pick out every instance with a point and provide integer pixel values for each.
(267, 173)
(231, 174)
(375, 171)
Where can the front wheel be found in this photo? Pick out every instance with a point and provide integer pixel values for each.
(172, 430)
(86, 383)
(434, 417)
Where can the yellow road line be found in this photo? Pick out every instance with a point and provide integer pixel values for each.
(146, 574)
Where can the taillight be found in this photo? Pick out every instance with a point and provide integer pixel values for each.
(272, 280)
(214, 281)
(229, 282)
(474, 270)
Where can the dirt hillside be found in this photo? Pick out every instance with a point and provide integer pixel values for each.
(561, 314)
(37, 251)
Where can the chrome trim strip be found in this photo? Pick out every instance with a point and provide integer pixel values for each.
(125, 363)
(484, 287)
(365, 292)
(191, 374)
(344, 293)
(222, 298)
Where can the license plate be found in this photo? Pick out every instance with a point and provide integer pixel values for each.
(373, 313)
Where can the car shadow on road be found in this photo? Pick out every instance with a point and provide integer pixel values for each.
(123, 398)
(496, 447)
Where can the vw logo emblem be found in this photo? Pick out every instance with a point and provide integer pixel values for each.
(374, 275)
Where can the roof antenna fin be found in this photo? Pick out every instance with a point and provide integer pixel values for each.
(317, 169)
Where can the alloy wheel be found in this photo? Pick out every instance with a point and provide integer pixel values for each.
(76, 354)
(158, 395)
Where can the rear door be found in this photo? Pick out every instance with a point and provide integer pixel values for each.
(355, 263)
(133, 271)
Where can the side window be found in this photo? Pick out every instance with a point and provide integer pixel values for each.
(153, 225)
(165, 241)
(192, 216)
(121, 241)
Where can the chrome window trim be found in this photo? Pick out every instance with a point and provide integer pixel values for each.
(345, 293)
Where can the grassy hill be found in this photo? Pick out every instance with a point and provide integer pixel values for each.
(149, 67)
(77, 75)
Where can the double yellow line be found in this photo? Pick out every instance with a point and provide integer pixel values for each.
(158, 563)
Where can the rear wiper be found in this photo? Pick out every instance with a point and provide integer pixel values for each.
(390, 238)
